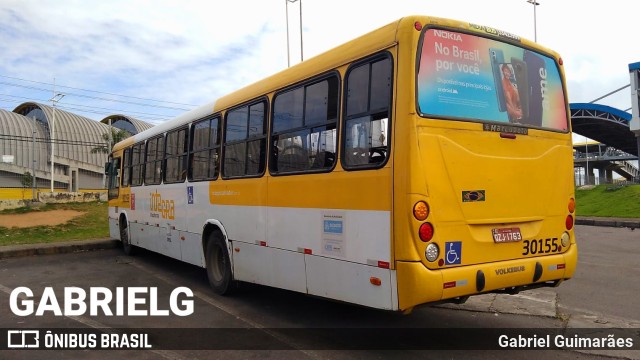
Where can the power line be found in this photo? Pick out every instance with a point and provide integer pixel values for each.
(96, 97)
(96, 91)
(29, 139)
(88, 108)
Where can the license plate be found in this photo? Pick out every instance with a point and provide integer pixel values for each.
(505, 235)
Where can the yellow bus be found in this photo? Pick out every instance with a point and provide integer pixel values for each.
(426, 161)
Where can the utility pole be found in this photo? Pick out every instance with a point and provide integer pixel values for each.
(56, 97)
(33, 160)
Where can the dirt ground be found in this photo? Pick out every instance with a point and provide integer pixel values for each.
(38, 218)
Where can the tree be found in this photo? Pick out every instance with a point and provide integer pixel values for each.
(27, 181)
(117, 135)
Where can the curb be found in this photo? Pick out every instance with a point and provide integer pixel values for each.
(11, 251)
(608, 222)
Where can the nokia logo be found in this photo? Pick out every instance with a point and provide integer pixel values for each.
(447, 35)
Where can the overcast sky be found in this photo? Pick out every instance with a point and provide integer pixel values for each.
(187, 53)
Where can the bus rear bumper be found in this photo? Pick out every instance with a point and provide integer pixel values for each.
(419, 285)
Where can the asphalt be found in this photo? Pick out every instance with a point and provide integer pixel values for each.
(10, 251)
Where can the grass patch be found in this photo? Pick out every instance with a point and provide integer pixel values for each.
(91, 225)
(609, 201)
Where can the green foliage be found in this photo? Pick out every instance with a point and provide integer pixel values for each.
(92, 225)
(26, 180)
(609, 201)
(117, 135)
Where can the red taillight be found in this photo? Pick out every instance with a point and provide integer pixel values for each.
(560, 61)
(417, 25)
(426, 232)
(569, 222)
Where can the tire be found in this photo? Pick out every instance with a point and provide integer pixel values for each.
(128, 249)
(219, 265)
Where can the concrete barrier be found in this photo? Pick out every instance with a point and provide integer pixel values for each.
(54, 198)
(69, 197)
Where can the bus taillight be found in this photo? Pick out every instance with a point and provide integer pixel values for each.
(572, 205)
(426, 232)
(569, 222)
(421, 211)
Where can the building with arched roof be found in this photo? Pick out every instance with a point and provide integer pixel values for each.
(131, 125)
(25, 146)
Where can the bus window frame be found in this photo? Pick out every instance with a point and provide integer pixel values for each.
(184, 155)
(369, 60)
(146, 161)
(265, 135)
(506, 40)
(126, 166)
(114, 192)
(141, 163)
(218, 145)
(304, 84)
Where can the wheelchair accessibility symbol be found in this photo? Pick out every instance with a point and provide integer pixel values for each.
(453, 255)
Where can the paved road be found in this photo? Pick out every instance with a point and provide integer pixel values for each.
(594, 298)
(607, 280)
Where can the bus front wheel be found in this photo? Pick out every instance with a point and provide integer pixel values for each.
(219, 264)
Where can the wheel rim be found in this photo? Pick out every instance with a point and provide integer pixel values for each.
(218, 267)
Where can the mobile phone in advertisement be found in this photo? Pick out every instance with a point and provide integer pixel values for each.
(536, 77)
(511, 93)
(497, 58)
(520, 72)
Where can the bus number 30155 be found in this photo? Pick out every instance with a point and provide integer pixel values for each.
(540, 246)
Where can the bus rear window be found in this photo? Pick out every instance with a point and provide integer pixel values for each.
(468, 77)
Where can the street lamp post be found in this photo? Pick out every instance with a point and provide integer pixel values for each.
(535, 30)
(56, 97)
(301, 43)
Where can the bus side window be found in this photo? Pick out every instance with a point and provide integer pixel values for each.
(113, 181)
(153, 161)
(126, 168)
(368, 108)
(205, 150)
(245, 141)
(175, 156)
(137, 164)
(304, 136)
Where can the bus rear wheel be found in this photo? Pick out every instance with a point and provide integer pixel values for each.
(124, 237)
(219, 264)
